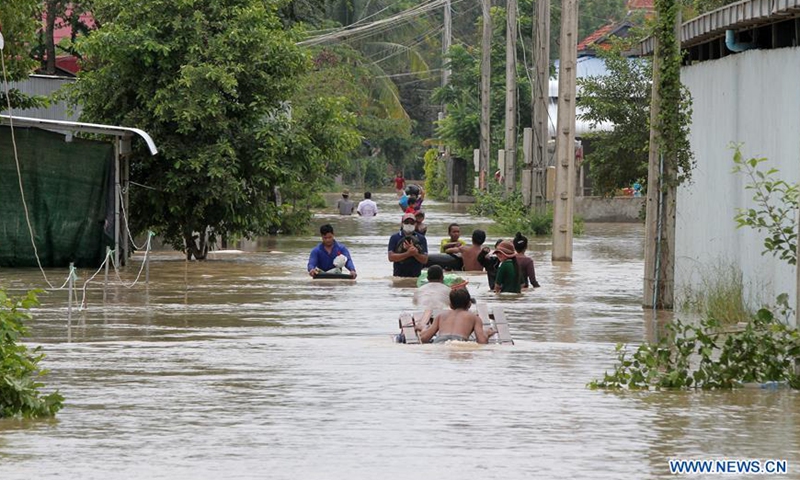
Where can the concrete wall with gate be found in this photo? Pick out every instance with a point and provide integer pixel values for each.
(751, 98)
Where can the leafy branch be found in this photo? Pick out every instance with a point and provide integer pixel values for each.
(776, 207)
(705, 357)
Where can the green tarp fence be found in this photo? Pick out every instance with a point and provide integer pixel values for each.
(69, 193)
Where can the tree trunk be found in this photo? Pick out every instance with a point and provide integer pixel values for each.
(51, 11)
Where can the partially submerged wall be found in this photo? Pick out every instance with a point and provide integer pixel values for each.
(617, 209)
(751, 98)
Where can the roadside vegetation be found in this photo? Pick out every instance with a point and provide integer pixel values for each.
(20, 374)
(511, 215)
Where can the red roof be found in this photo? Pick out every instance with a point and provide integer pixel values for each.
(641, 5)
(596, 36)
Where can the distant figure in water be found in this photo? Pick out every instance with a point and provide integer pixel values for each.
(457, 324)
(345, 205)
(490, 262)
(455, 242)
(421, 228)
(399, 184)
(327, 256)
(469, 253)
(367, 208)
(507, 279)
(411, 202)
(408, 250)
(527, 272)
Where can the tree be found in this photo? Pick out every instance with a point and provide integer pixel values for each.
(19, 367)
(386, 130)
(593, 14)
(621, 98)
(460, 129)
(57, 13)
(18, 25)
(211, 81)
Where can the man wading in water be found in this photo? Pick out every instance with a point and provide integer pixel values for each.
(457, 324)
(408, 250)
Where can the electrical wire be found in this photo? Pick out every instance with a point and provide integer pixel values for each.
(376, 26)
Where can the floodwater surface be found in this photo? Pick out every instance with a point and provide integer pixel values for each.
(241, 367)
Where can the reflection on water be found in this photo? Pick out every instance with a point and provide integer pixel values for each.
(243, 367)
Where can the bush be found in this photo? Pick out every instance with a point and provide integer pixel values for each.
(705, 357)
(435, 176)
(19, 370)
(511, 215)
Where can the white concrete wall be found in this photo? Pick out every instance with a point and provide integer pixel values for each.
(753, 98)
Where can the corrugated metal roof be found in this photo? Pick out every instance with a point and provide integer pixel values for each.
(730, 17)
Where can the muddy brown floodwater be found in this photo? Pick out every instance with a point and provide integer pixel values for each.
(241, 367)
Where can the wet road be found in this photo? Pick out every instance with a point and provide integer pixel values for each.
(242, 367)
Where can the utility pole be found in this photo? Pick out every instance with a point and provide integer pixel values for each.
(486, 73)
(565, 134)
(541, 103)
(446, 43)
(447, 40)
(659, 243)
(511, 95)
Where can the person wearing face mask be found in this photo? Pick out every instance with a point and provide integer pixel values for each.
(408, 250)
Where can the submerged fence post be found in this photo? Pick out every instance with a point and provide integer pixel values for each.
(147, 259)
(105, 279)
(71, 283)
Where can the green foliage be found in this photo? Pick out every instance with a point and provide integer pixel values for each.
(19, 367)
(594, 14)
(435, 176)
(776, 207)
(622, 97)
(720, 296)
(699, 7)
(212, 81)
(704, 357)
(460, 129)
(18, 21)
(511, 216)
(675, 114)
(341, 71)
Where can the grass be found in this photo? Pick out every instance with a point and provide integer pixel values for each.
(720, 296)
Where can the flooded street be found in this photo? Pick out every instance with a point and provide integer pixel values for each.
(242, 367)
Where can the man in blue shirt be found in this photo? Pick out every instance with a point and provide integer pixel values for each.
(408, 250)
(323, 255)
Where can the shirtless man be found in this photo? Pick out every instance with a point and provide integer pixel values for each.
(469, 254)
(458, 323)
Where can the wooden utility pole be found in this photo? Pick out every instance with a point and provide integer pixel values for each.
(565, 134)
(486, 76)
(541, 103)
(447, 40)
(659, 243)
(511, 96)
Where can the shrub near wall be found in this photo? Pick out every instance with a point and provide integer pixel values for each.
(19, 369)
